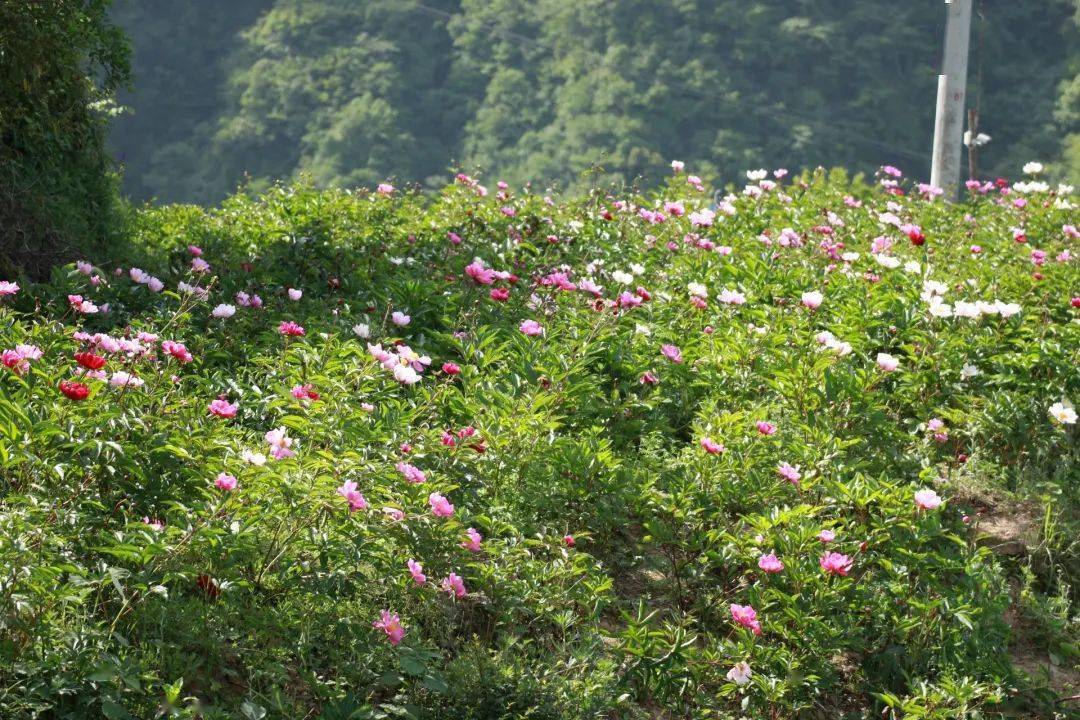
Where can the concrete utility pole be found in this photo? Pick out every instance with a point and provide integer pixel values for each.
(951, 93)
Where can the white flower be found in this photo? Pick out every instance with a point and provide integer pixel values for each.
(740, 673)
(968, 371)
(624, 278)
(642, 330)
(756, 175)
(362, 330)
(1063, 412)
(698, 290)
(887, 362)
(400, 319)
(253, 458)
(637, 269)
(887, 261)
(940, 309)
(1033, 168)
(912, 267)
(406, 375)
(224, 310)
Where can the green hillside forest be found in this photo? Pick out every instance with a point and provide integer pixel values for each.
(353, 92)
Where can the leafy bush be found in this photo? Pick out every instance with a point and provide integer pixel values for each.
(489, 454)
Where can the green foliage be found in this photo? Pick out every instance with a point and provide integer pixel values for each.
(60, 65)
(259, 602)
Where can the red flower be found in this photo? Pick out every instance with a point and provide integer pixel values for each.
(74, 390)
(89, 360)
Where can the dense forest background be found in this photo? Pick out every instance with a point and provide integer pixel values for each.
(352, 92)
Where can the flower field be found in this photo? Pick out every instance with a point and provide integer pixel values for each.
(495, 454)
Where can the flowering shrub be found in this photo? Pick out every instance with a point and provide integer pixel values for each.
(491, 455)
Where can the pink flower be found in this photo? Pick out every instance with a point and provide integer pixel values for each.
(195, 250)
(769, 563)
(812, 299)
(927, 499)
(569, 541)
(789, 473)
(672, 353)
(8, 288)
(712, 447)
(305, 392)
(887, 362)
(280, 444)
(390, 624)
(291, 329)
(480, 274)
(412, 473)
(199, 265)
(224, 310)
(677, 166)
(417, 572)
(454, 586)
(835, 563)
(385, 189)
(177, 350)
(352, 495)
(473, 541)
(399, 318)
(451, 368)
(223, 408)
(531, 328)
(826, 536)
(649, 379)
(499, 294)
(225, 482)
(440, 506)
(765, 428)
(295, 294)
(746, 616)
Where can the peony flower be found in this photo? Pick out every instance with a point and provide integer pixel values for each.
(835, 563)
(473, 541)
(8, 288)
(740, 673)
(405, 375)
(765, 428)
(770, 563)
(253, 458)
(74, 390)
(531, 328)
(280, 444)
(400, 319)
(412, 473)
(416, 570)
(672, 353)
(826, 536)
(225, 482)
(352, 495)
(177, 350)
(362, 331)
(746, 616)
(224, 310)
(569, 541)
(712, 447)
(887, 362)
(927, 499)
(812, 299)
(789, 473)
(125, 379)
(295, 294)
(1063, 413)
(454, 586)
(390, 624)
(440, 506)
(223, 408)
(291, 329)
